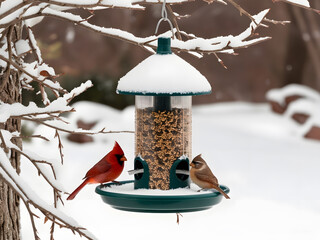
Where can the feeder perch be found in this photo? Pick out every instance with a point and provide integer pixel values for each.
(163, 85)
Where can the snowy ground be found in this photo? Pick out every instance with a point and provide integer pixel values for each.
(272, 173)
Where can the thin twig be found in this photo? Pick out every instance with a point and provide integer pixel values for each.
(3, 35)
(178, 217)
(55, 197)
(5, 148)
(88, 6)
(58, 118)
(33, 224)
(51, 216)
(33, 161)
(42, 113)
(48, 163)
(32, 136)
(24, 10)
(70, 131)
(60, 146)
(242, 11)
(276, 22)
(220, 60)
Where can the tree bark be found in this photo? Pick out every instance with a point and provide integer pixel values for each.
(10, 92)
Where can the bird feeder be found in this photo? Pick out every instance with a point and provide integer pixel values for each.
(163, 85)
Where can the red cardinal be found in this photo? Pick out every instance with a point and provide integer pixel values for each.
(106, 170)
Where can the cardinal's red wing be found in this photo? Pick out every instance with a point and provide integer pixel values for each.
(100, 167)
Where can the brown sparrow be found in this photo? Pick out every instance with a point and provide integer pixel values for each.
(201, 175)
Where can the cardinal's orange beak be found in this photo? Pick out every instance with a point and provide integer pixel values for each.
(192, 165)
(123, 158)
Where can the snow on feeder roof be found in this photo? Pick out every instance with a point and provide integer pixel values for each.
(164, 73)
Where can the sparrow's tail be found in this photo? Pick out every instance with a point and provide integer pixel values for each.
(75, 192)
(222, 192)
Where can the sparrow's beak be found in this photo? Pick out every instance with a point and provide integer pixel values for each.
(192, 164)
(123, 158)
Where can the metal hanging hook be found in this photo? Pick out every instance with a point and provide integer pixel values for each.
(164, 17)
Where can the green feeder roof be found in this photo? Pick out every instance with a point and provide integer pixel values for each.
(164, 73)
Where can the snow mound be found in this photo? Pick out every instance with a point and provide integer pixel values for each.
(280, 94)
(308, 104)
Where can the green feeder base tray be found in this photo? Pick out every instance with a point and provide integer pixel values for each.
(160, 203)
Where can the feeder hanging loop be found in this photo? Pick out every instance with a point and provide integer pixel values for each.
(164, 17)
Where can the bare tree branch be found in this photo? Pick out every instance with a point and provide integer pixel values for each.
(84, 132)
(128, 37)
(34, 162)
(34, 78)
(32, 136)
(241, 10)
(28, 201)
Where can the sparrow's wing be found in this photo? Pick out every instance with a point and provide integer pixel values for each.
(207, 176)
(101, 167)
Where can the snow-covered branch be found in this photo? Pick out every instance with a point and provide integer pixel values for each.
(41, 115)
(198, 44)
(31, 112)
(30, 198)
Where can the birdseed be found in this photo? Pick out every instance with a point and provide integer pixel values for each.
(161, 138)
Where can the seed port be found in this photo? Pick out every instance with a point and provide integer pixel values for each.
(141, 179)
(138, 165)
(179, 180)
(183, 165)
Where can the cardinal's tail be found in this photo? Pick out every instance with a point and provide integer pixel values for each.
(75, 192)
(222, 192)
